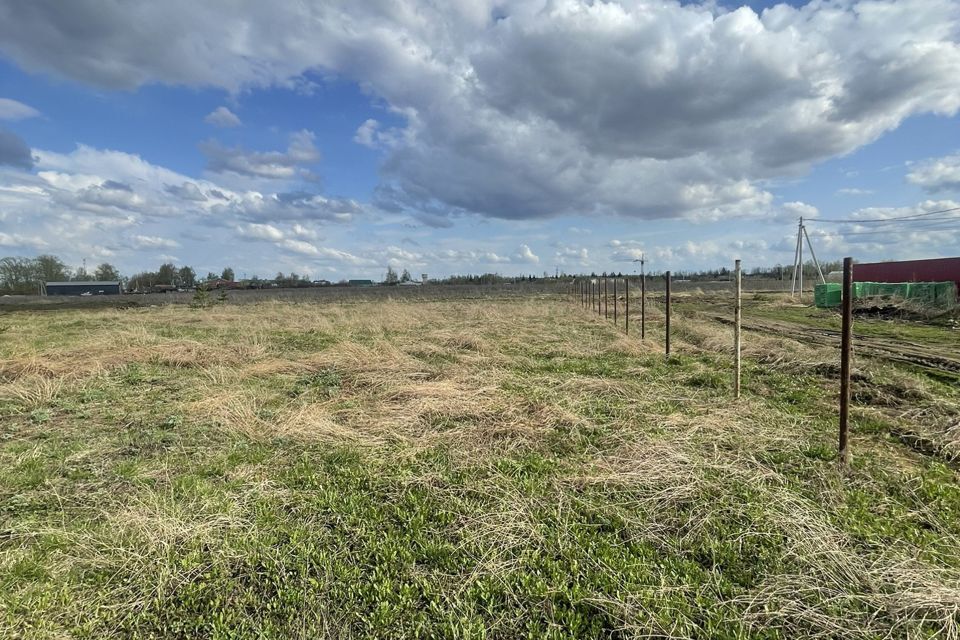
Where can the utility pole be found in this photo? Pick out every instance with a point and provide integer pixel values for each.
(798, 259)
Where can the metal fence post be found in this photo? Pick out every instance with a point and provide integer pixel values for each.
(736, 333)
(846, 347)
(667, 344)
(614, 302)
(626, 305)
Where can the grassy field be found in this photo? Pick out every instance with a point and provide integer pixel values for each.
(474, 468)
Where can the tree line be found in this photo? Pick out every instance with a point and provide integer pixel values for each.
(27, 275)
(20, 275)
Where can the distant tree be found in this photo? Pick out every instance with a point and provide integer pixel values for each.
(211, 276)
(18, 275)
(166, 273)
(186, 277)
(391, 276)
(106, 271)
(406, 276)
(80, 275)
(51, 269)
(143, 281)
(227, 274)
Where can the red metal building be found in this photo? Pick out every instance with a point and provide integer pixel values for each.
(936, 270)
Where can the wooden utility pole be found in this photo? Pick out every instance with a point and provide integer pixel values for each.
(736, 333)
(846, 348)
(667, 341)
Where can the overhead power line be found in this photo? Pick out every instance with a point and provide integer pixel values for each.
(920, 217)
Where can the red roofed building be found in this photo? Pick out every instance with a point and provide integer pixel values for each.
(935, 270)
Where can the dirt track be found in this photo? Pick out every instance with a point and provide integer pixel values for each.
(943, 358)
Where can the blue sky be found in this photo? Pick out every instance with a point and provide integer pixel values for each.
(333, 139)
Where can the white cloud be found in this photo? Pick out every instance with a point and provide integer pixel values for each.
(938, 174)
(152, 242)
(260, 232)
(854, 191)
(222, 117)
(701, 106)
(18, 240)
(13, 110)
(366, 133)
(798, 209)
(572, 256)
(275, 165)
(524, 254)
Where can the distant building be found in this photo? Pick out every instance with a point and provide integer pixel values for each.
(84, 288)
(423, 278)
(218, 283)
(360, 283)
(162, 288)
(935, 270)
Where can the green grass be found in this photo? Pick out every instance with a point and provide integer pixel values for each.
(574, 484)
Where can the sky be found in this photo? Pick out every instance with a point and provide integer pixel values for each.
(334, 138)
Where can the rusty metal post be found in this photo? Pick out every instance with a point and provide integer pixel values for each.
(846, 348)
(614, 302)
(736, 332)
(626, 305)
(606, 299)
(667, 340)
(643, 306)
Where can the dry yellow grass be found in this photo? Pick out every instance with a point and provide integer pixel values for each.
(554, 430)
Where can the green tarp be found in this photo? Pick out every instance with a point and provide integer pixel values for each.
(935, 294)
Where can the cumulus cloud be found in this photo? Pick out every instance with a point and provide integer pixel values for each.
(222, 117)
(366, 133)
(260, 232)
(14, 151)
(700, 105)
(186, 191)
(278, 165)
(152, 242)
(938, 174)
(259, 207)
(19, 240)
(524, 254)
(13, 110)
(800, 209)
(572, 256)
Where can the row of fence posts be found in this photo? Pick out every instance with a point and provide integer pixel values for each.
(594, 295)
(595, 292)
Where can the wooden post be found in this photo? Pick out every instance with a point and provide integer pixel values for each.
(626, 306)
(667, 342)
(846, 347)
(736, 332)
(614, 302)
(643, 306)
